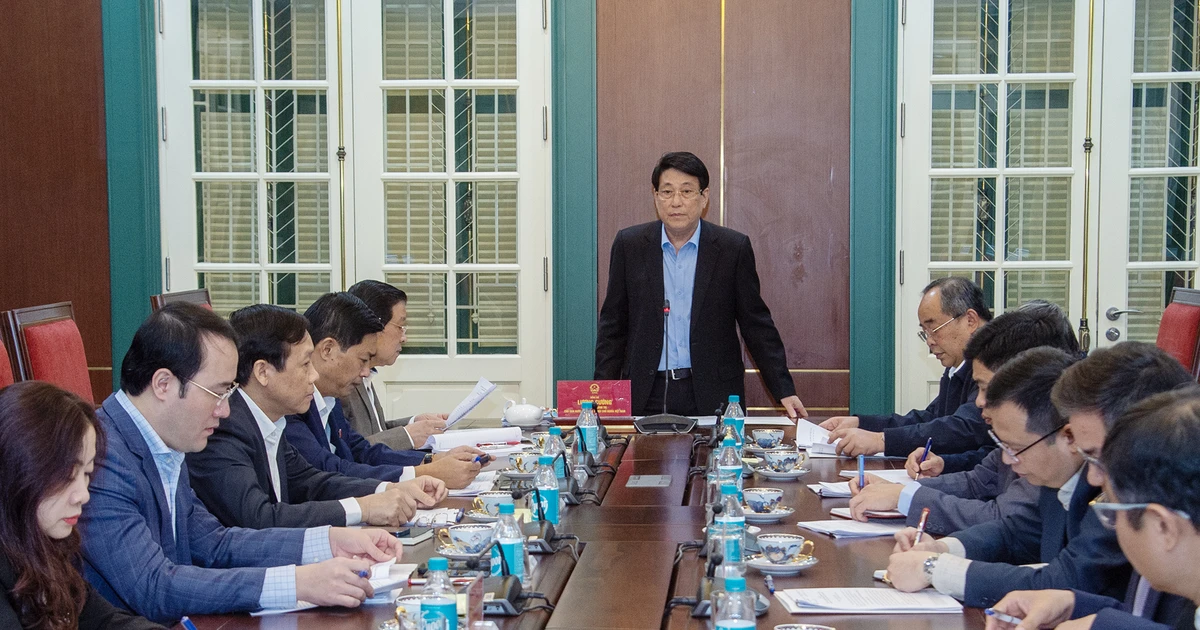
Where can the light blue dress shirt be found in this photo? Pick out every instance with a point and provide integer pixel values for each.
(167, 460)
(679, 278)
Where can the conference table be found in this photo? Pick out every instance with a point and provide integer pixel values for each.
(630, 563)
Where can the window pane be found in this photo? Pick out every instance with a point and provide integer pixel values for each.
(1164, 37)
(297, 140)
(426, 292)
(416, 222)
(1163, 125)
(225, 131)
(227, 222)
(298, 221)
(966, 35)
(485, 39)
(298, 291)
(1039, 124)
(1162, 218)
(415, 130)
(487, 313)
(486, 222)
(221, 40)
(986, 280)
(485, 127)
(1022, 286)
(294, 47)
(962, 222)
(230, 291)
(1037, 213)
(1041, 35)
(1150, 292)
(964, 125)
(413, 39)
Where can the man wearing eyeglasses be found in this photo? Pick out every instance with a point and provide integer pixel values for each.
(694, 283)
(1095, 393)
(950, 312)
(981, 564)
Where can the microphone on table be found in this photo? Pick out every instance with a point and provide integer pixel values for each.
(501, 593)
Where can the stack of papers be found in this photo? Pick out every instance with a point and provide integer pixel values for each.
(845, 513)
(510, 436)
(896, 475)
(831, 489)
(872, 601)
(385, 578)
(839, 528)
(481, 391)
(483, 482)
(808, 434)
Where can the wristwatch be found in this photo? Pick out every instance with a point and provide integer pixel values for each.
(428, 458)
(928, 566)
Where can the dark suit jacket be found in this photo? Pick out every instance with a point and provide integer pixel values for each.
(133, 559)
(952, 420)
(1081, 553)
(957, 501)
(97, 613)
(1162, 611)
(232, 476)
(725, 298)
(353, 455)
(369, 421)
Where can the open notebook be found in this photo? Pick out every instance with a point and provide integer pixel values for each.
(865, 601)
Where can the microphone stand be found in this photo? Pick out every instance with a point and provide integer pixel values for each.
(655, 423)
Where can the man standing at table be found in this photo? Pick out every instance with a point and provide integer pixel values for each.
(697, 281)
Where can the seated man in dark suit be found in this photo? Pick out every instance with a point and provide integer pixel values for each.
(344, 332)
(250, 476)
(950, 312)
(149, 545)
(1095, 394)
(707, 274)
(979, 565)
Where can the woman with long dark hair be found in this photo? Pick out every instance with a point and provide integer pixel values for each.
(49, 441)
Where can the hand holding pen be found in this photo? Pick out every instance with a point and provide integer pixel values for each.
(928, 445)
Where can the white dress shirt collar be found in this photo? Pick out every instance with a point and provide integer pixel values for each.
(1068, 489)
(954, 370)
(272, 434)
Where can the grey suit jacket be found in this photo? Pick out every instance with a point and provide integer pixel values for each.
(368, 420)
(988, 492)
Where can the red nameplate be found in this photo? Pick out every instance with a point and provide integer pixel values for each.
(611, 398)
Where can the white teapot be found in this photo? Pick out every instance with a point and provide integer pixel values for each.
(523, 414)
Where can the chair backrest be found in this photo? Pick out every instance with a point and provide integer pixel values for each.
(48, 347)
(1179, 331)
(195, 296)
(6, 373)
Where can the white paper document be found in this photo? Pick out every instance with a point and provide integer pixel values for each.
(845, 513)
(770, 421)
(877, 601)
(481, 391)
(483, 482)
(385, 578)
(705, 421)
(895, 475)
(840, 528)
(831, 489)
(442, 442)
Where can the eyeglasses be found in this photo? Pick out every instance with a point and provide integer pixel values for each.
(688, 194)
(403, 329)
(1094, 462)
(925, 335)
(220, 397)
(1107, 512)
(1008, 450)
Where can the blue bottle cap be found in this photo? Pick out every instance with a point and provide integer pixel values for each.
(735, 584)
(735, 398)
(439, 564)
(587, 404)
(507, 508)
(728, 488)
(554, 430)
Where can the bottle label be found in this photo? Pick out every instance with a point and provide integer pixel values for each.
(734, 624)
(591, 439)
(730, 474)
(739, 425)
(560, 470)
(548, 504)
(513, 555)
(436, 610)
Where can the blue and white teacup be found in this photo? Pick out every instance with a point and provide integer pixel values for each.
(784, 460)
(767, 438)
(763, 500)
(489, 502)
(469, 538)
(784, 548)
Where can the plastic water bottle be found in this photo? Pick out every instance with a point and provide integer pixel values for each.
(510, 541)
(579, 462)
(438, 601)
(734, 607)
(729, 464)
(735, 417)
(588, 427)
(731, 527)
(546, 485)
(556, 449)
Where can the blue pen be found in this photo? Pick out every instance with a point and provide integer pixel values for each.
(363, 574)
(187, 624)
(992, 612)
(862, 474)
(770, 582)
(928, 445)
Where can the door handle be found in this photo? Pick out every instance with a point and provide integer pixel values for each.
(1114, 313)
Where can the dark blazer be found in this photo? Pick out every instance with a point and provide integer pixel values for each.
(369, 421)
(97, 613)
(952, 420)
(1080, 552)
(1162, 611)
(232, 476)
(725, 298)
(353, 455)
(988, 492)
(133, 559)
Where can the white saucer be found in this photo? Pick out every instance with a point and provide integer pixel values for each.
(482, 517)
(795, 473)
(770, 517)
(769, 568)
(518, 476)
(442, 550)
(750, 529)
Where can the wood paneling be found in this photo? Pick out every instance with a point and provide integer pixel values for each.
(53, 192)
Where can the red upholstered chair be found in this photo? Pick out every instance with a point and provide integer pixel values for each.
(48, 347)
(1179, 331)
(195, 296)
(6, 373)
